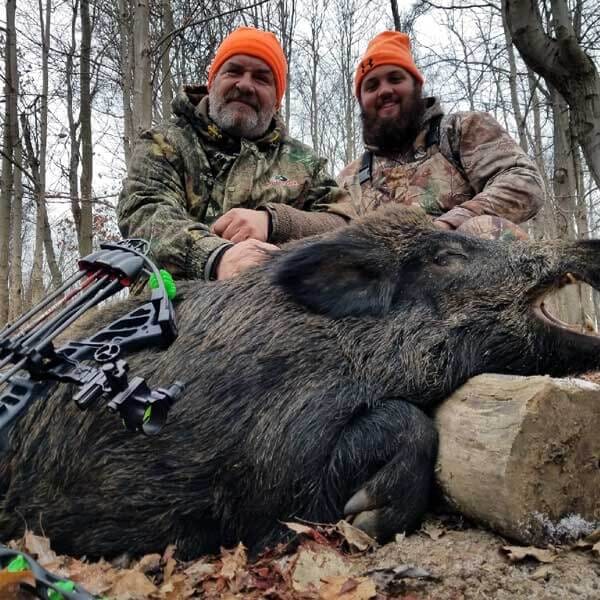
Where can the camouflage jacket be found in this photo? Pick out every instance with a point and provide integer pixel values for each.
(475, 169)
(186, 173)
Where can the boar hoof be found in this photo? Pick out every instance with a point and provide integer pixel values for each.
(360, 502)
(368, 522)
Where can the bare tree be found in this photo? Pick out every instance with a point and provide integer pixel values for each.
(564, 64)
(37, 162)
(84, 232)
(166, 85)
(142, 74)
(10, 139)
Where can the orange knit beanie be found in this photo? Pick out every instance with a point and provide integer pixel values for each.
(387, 48)
(257, 43)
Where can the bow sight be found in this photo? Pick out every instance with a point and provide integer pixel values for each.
(30, 366)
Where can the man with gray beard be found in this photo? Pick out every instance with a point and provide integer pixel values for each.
(216, 186)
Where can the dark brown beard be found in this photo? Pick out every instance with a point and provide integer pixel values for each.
(395, 134)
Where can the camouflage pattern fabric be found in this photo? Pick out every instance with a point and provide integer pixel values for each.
(186, 173)
(477, 170)
(488, 227)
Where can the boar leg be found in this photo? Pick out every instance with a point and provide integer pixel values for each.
(395, 445)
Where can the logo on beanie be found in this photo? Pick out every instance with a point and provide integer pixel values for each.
(366, 65)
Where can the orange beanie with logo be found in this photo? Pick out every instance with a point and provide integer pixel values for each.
(387, 48)
(256, 43)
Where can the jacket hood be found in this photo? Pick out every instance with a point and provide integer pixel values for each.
(191, 104)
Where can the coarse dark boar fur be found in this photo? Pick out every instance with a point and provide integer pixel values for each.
(310, 382)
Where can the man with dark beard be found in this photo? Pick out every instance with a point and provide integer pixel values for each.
(463, 169)
(214, 187)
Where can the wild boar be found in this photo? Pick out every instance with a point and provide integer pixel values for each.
(309, 386)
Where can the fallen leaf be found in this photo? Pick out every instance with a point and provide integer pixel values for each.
(11, 581)
(311, 566)
(344, 588)
(232, 562)
(177, 588)
(312, 533)
(131, 585)
(169, 552)
(356, 538)
(96, 578)
(299, 528)
(169, 568)
(516, 553)
(596, 549)
(150, 563)
(199, 571)
(40, 547)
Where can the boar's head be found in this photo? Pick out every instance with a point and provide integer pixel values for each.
(458, 305)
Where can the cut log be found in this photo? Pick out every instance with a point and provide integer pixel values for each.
(519, 454)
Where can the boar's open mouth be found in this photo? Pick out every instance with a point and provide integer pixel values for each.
(540, 308)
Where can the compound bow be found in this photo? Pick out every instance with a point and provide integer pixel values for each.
(32, 366)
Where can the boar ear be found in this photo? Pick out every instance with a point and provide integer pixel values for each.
(339, 277)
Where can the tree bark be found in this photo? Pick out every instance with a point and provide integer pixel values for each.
(564, 64)
(10, 138)
(126, 55)
(85, 118)
(16, 254)
(166, 89)
(73, 124)
(514, 95)
(142, 79)
(43, 232)
(396, 15)
(520, 453)
(287, 22)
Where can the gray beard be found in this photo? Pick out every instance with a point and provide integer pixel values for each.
(251, 126)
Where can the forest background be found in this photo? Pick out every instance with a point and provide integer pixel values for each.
(82, 78)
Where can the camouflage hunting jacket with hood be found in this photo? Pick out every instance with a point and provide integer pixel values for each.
(474, 168)
(187, 172)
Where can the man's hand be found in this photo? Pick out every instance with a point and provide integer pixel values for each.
(242, 256)
(240, 224)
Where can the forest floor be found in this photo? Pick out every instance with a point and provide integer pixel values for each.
(446, 559)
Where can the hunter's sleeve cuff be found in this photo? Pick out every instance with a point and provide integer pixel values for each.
(200, 251)
(210, 269)
(289, 223)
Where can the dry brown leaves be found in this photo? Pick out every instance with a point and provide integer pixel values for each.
(317, 564)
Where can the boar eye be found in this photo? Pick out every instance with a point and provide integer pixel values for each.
(448, 257)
